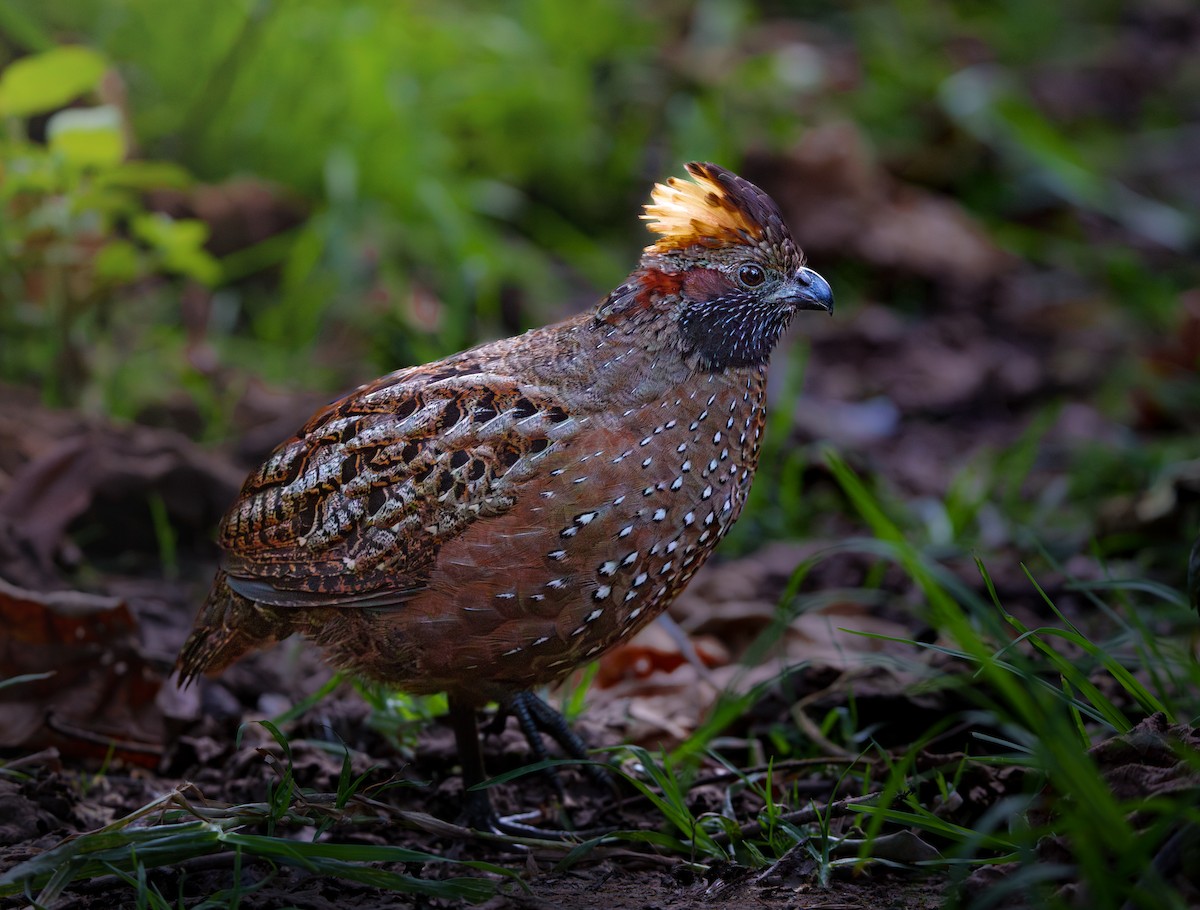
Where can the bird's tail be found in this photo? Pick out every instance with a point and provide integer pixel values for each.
(227, 627)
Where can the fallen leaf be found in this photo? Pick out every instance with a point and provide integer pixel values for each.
(87, 687)
(65, 470)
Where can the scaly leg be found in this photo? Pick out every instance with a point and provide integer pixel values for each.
(535, 717)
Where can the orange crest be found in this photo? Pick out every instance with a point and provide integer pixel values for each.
(718, 207)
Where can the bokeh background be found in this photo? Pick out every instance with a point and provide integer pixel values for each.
(339, 189)
(210, 204)
(216, 215)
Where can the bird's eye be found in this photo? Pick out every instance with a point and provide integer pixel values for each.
(751, 276)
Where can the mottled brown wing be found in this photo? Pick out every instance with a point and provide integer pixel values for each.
(352, 511)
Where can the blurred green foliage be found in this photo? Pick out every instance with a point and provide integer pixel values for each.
(74, 232)
(448, 147)
(449, 172)
(489, 157)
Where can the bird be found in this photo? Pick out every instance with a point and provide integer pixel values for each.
(484, 524)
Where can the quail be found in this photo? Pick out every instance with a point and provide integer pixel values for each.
(484, 524)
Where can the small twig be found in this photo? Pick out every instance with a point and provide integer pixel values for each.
(109, 742)
(49, 757)
(424, 822)
(810, 729)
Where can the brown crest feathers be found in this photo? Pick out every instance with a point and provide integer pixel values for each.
(716, 207)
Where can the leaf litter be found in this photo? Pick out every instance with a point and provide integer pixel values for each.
(917, 397)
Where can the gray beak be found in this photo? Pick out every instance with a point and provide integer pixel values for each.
(806, 291)
(812, 292)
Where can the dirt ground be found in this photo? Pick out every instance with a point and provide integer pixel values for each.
(94, 588)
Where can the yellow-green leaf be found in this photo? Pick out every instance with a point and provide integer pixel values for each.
(146, 175)
(118, 262)
(43, 82)
(87, 137)
(180, 244)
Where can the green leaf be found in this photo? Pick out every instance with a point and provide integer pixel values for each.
(88, 137)
(43, 82)
(22, 29)
(180, 243)
(127, 847)
(118, 262)
(146, 175)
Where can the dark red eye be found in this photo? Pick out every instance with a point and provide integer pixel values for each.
(751, 276)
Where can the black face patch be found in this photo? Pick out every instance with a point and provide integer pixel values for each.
(735, 329)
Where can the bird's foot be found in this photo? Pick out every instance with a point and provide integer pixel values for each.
(535, 718)
(480, 815)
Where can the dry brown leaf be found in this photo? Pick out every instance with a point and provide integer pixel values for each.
(654, 651)
(62, 470)
(101, 692)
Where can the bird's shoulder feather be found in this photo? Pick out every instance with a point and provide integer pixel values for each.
(353, 509)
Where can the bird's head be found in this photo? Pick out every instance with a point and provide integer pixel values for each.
(723, 265)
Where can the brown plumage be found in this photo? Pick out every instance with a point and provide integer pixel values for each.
(484, 524)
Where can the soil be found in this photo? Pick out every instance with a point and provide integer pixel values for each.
(93, 588)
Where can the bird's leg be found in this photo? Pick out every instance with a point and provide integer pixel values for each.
(477, 804)
(519, 707)
(536, 717)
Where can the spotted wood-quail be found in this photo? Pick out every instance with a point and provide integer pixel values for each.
(484, 524)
